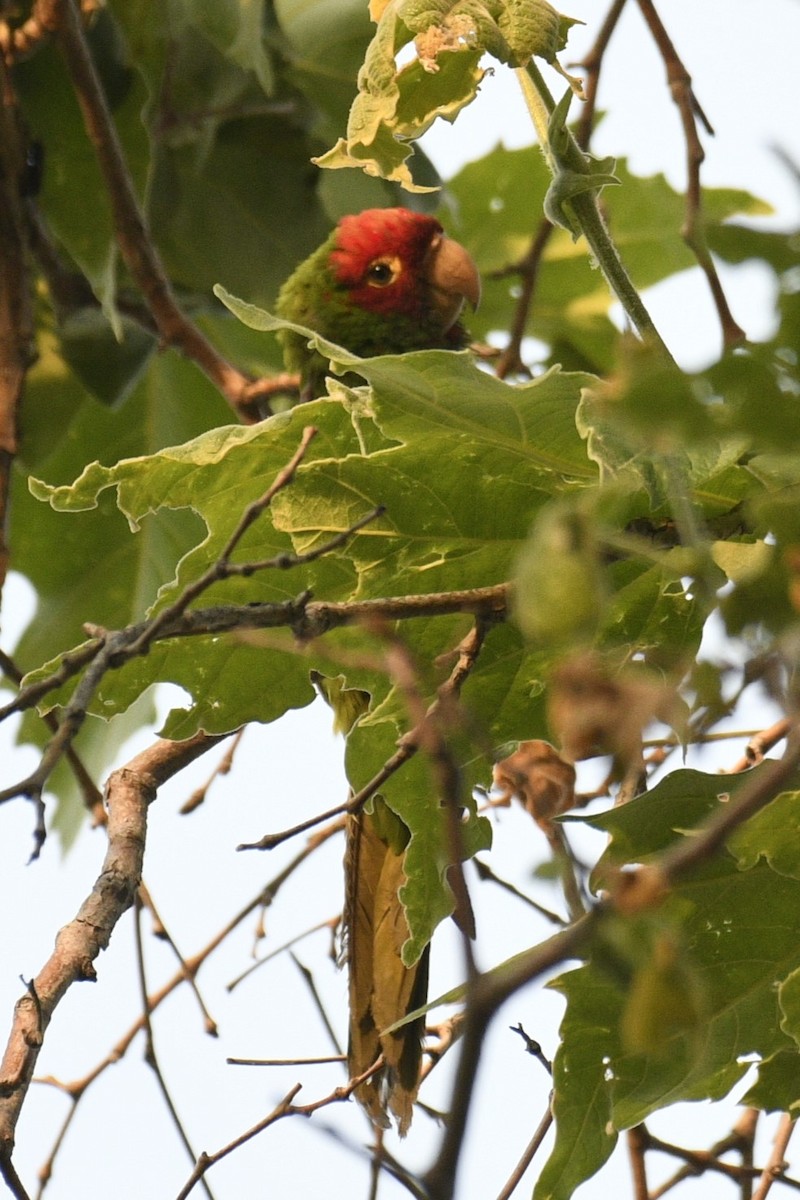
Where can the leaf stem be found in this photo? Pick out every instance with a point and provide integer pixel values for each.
(541, 105)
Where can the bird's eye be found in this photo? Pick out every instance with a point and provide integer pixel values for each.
(382, 272)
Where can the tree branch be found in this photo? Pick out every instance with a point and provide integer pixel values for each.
(130, 791)
(133, 236)
(485, 995)
(680, 85)
(592, 65)
(16, 313)
(776, 1167)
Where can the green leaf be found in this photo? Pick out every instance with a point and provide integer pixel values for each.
(236, 27)
(559, 586)
(107, 364)
(86, 567)
(73, 198)
(393, 106)
(326, 41)
(771, 835)
(728, 954)
(496, 200)
(776, 1086)
(585, 1135)
(253, 225)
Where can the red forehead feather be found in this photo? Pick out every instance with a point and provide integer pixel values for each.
(377, 231)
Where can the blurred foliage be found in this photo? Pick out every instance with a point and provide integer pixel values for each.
(572, 485)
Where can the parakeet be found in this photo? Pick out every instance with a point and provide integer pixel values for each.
(387, 280)
(382, 989)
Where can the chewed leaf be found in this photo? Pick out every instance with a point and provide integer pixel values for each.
(263, 321)
(395, 104)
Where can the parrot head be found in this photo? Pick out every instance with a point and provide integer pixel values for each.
(387, 280)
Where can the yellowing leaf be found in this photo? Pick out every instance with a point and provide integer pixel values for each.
(395, 105)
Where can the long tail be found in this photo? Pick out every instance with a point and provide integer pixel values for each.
(383, 989)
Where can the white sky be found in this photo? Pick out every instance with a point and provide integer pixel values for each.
(743, 59)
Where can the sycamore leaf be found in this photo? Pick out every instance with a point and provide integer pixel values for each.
(236, 29)
(559, 586)
(428, 421)
(396, 105)
(730, 969)
(50, 107)
(494, 198)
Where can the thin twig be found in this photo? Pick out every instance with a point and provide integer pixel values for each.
(485, 872)
(161, 931)
(308, 979)
(776, 1166)
(150, 1056)
(533, 1047)
(130, 791)
(92, 796)
(135, 242)
(409, 743)
(740, 1138)
(515, 1178)
(223, 767)
(592, 64)
(189, 969)
(700, 1161)
(760, 743)
(222, 568)
(487, 993)
(331, 923)
(680, 85)
(287, 1062)
(286, 1108)
(114, 649)
(307, 620)
(430, 734)
(637, 1146)
(510, 361)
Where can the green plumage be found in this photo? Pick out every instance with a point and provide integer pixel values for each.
(370, 288)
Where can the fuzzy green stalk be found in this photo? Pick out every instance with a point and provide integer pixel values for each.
(584, 205)
(541, 104)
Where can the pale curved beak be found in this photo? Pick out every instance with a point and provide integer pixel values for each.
(453, 278)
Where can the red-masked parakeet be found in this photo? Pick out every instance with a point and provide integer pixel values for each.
(387, 280)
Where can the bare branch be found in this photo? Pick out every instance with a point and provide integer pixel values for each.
(222, 568)
(485, 995)
(637, 1147)
(223, 767)
(130, 791)
(306, 618)
(150, 1056)
(680, 84)
(135, 243)
(527, 1157)
(776, 1167)
(409, 743)
(92, 796)
(286, 1108)
(510, 361)
(592, 65)
(110, 650)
